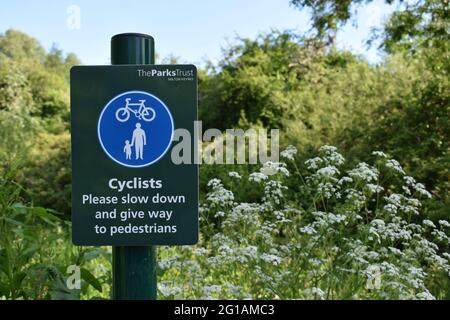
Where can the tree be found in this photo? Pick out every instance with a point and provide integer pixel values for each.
(18, 46)
(34, 117)
(328, 15)
(421, 23)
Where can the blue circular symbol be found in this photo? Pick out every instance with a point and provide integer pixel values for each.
(135, 129)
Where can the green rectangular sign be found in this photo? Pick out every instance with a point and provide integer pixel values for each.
(126, 188)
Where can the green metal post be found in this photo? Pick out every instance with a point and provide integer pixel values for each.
(134, 268)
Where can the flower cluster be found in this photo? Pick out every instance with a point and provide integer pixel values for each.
(338, 232)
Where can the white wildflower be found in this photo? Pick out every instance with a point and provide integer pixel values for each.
(406, 190)
(270, 168)
(168, 291)
(210, 290)
(395, 165)
(331, 156)
(219, 196)
(440, 236)
(420, 189)
(364, 172)
(426, 295)
(234, 174)
(219, 214)
(271, 258)
(326, 189)
(357, 198)
(327, 148)
(314, 163)
(396, 251)
(200, 251)
(315, 292)
(345, 180)
(374, 188)
(257, 177)
(273, 190)
(390, 208)
(289, 152)
(379, 154)
(444, 223)
(410, 181)
(429, 223)
(214, 183)
(308, 230)
(328, 171)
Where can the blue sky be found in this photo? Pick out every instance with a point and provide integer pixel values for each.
(194, 31)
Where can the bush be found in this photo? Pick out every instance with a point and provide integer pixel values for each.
(36, 251)
(354, 233)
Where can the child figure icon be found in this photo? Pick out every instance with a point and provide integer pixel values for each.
(127, 150)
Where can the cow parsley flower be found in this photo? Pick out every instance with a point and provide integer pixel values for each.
(420, 189)
(326, 189)
(345, 180)
(315, 292)
(210, 290)
(374, 188)
(425, 295)
(270, 168)
(331, 156)
(234, 174)
(410, 181)
(289, 152)
(327, 149)
(380, 154)
(364, 172)
(219, 196)
(271, 258)
(395, 165)
(168, 291)
(328, 171)
(257, 177)
(314, 163)
(444, 223)
(429, 223)
(308, 229)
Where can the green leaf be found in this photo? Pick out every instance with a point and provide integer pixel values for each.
(19, 208)
(20, 224)
(44, 213)
(4, 291)
(96, 253)
(17, 279)
(91, 279)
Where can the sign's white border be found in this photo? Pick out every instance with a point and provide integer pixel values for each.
(106, 151)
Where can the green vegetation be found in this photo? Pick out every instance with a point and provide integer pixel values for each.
(320, 228)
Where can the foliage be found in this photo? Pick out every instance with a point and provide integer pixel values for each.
(47, 173)
(321, 227)
(282, 81)
(414, 127)
(34, 114)
(328, 15)
(35, 250)
(347, 233)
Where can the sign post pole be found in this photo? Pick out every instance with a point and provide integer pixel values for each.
(133, 268)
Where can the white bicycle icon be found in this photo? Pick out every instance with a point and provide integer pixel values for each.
(144, 113)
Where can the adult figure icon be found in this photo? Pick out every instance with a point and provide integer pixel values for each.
(139, 140)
